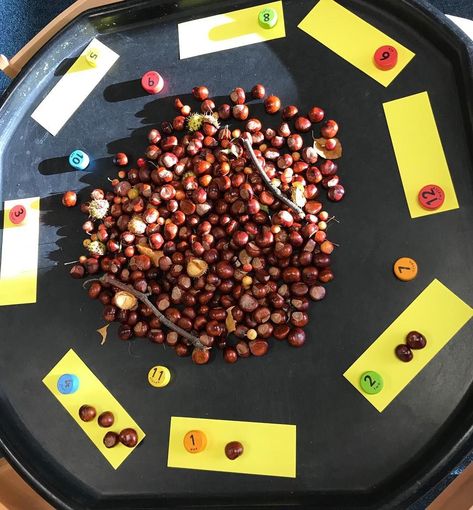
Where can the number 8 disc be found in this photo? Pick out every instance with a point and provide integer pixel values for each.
(268, 18)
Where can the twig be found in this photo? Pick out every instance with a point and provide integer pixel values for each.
(332, 218)
(107, 278)
(280, 196)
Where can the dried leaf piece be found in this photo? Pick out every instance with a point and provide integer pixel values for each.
(230, 323)
(244, 257)
(297, 194)
(154, 255)
(125, 300)
(197, 268)
(103, 331)
(319, 146)
(235, 150)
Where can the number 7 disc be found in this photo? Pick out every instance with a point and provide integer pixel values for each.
(405, 269)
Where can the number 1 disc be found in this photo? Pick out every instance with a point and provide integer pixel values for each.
(195, 441)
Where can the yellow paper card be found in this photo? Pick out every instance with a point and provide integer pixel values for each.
(353, 39)
(269, 448)
(91, 391)
(226, 31)
(74, 87)
(421, 162)
(19, 265)
(438, 314)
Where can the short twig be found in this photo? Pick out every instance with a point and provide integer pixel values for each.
(277, 193)
(332, 218)
(107, 278)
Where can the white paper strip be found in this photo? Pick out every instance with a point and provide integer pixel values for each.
(73, 88)
(228, 30)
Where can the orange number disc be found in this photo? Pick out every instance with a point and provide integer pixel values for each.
(195, 441)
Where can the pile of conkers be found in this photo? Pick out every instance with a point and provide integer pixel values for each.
(199, 249)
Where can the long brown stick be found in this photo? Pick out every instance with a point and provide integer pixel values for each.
(144, 299)
(277, 193)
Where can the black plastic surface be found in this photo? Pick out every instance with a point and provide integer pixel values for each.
(348, 454)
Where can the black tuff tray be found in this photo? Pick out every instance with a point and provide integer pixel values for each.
(348, 455)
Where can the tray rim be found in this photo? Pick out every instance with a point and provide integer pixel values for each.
(461, 46)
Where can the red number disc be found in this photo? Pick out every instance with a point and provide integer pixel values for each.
(152, 82)
(431, 197)
(17, 214)
(385, 58)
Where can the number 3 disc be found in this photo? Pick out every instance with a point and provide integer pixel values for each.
(17, 214)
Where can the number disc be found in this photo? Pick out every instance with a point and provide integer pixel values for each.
(152, 82)
(385, 58)
(195, 441)
(371, 382)
(431, 197)
(268, 17)
(159, 376)
(92, 57)
(17, 214)
(67, 384)
(405, 269)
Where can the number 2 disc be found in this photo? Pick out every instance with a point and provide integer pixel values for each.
(371, 382)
